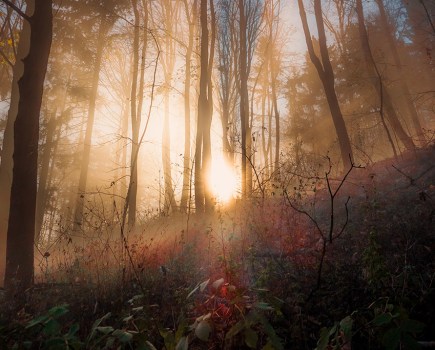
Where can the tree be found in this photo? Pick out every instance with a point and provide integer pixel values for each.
(249, 24)
(105, 23)
(326, 75)
(406, 95)
(191, 16)
(136, 105)
(6, 164)
(203, 198)
(376, 81)
(21, 226)
(168, 12)
(226, 87)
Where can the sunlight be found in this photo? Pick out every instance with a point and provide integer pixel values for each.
(223, 180)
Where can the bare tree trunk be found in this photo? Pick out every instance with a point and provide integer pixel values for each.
(380, 89)
(202, 139)
(21, 227)
(191, 17)
(277, 125)
(78, 215)
(7, 150)
(42, 195)
(136, 100)
(326, 75)
(398, 65)
(244, 100)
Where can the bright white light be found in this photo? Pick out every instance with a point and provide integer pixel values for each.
(223, 180)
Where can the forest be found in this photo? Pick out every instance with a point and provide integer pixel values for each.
(217, 174)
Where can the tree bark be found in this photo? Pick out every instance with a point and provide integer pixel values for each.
(21, 227)
(78, 215)
(379, 87)
(401, 76)
(326, 75)
(42, 194)
(244, 100)
(7, 150)
(191, 17)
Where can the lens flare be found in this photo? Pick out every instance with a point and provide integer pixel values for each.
(223, 180)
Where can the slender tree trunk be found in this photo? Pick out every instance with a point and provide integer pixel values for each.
(7, 150)
(78, 215)
(244, 100)
(135, 121)
(326, 75)
(206, 163)
(187, 85)
(402, 81)
(203, 116)
(42, 195)
(21, 227)
(277, 125)
(169, 199)
(380, 89)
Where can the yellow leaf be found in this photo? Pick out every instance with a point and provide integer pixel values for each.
(10, 42)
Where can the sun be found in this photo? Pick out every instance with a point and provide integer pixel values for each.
(223, 180)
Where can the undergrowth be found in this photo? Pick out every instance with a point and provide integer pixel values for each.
(273, 273)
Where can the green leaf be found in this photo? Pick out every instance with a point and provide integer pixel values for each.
(105, 330)
(123, 336)
(324, 339)
(58, 311)
(95, 325)
(149, 346)
(39, 320)
(346, 326)
(234, 330)
(168, 338)
(72, 330)
(203, 330)
(263, 306)
(51, 328)
(183, 344)
(127, 319)
(391, 338)
(251, 338)
(382, 319)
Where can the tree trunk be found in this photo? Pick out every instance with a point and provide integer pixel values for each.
(202, 139)
(7, 149)
(326, 75)
(401, 77)
(244, 103)
(78, 215)
(277, 125)
(21, 227)
(42, 195)
(184, 205)
(377, 84)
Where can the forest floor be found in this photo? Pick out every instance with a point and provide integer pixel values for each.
(328, 263)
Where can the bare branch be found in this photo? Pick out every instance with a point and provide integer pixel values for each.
(17, 10)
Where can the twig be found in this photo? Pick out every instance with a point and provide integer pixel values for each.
(17, 10)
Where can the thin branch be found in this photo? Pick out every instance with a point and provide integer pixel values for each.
(17, 10)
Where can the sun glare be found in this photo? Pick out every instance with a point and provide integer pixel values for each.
(223, 180)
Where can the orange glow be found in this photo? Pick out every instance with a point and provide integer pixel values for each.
(223, 180)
